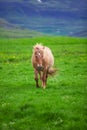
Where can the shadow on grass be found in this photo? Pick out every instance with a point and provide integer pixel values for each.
(25, 110)
(53, 118)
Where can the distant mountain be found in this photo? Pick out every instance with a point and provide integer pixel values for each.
(80, 34)
(8, 30)
(55, 17)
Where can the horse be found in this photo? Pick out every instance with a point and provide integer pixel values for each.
(42, 62)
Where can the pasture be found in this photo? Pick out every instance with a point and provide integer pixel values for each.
(62, 105)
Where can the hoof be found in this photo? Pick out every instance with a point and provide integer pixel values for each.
(44, 87)
(38, 86)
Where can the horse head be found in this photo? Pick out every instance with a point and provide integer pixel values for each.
(39, 57)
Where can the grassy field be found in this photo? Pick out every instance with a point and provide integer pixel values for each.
(62, 105)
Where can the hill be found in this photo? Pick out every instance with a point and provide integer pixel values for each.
(8, 30)
(55, 17)
(80, 34)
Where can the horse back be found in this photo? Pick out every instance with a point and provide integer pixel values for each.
(48, 56)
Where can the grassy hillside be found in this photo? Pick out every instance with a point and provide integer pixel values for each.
(62, 105)
(8, 30)
(55, 17)
(18, 33)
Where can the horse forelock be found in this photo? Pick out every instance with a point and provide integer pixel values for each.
(38, 47)
(38, 52)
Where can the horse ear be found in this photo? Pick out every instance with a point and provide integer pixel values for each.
(33, 47)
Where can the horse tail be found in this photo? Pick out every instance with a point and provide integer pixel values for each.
(52, 71)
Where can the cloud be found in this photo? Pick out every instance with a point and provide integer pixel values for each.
(39, 1)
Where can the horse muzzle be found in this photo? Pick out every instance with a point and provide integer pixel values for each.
(39, 67)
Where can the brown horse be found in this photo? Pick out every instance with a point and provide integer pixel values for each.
(42, 61)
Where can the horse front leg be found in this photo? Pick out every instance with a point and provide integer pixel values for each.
(36, 77)
(41, 75)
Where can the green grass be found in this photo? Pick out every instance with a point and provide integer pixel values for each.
(62, 105)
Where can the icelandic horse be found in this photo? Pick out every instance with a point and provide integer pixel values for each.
(42, 61)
